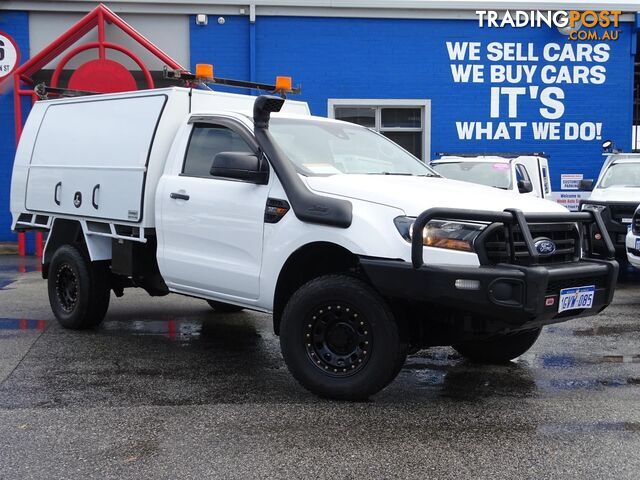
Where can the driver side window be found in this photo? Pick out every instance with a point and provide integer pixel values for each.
(206, 141)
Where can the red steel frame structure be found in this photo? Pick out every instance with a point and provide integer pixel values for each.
(97, 18)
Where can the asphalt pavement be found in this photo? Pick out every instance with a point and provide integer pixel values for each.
(166, 388)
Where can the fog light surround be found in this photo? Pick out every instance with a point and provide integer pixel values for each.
(507, 291)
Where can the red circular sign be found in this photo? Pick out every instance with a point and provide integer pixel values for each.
(102, 76)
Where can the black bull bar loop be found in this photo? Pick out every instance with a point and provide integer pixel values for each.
(509, 218)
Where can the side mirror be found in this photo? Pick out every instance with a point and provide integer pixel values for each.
(525, 186)
(248, 167)
(586, 184)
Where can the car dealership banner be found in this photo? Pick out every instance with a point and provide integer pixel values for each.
(528, 77)
(542, 89)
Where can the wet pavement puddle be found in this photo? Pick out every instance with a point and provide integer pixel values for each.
(12, 266)
(589, 383)
(604, 330)
(459, 379)
(566, 361)
(564, 428)
(172, 328)
(21, 324)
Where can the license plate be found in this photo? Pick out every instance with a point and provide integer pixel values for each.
(637, 243)
(576, 298)
(626, 220)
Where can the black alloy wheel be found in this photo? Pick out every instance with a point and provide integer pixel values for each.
(66, 287)
(338, 339)
(78, 288)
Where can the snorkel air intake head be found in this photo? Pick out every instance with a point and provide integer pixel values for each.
(263, 107)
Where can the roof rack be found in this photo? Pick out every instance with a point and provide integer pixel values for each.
(198, 79)
(194, 80)
(43, 92)
(492, 154)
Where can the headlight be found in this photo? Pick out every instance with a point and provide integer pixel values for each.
(452, 235)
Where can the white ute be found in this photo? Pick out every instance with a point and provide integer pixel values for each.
(524, 173)
(251, 202)
(616, 194)
(633, 240)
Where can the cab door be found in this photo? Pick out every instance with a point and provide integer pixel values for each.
(211, 228)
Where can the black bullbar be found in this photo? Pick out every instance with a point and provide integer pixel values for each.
(509, 218)
(514, 293)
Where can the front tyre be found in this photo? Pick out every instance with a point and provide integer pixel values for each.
(79, 289)
(498, 348)
(339, 338)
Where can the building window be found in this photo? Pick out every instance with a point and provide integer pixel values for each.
(406, 122)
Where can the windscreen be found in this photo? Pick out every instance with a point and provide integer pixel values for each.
(621, 175)
(319, 148)
(485, 173)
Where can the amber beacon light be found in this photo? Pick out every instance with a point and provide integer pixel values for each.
(283, 84)
(204, 71)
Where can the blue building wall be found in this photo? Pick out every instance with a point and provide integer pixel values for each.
(16, 24)
(393, 58)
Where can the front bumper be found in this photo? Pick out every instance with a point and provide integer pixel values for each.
(633, 253)
(515, 295)
(616, 228)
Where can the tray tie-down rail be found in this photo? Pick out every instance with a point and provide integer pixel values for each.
(509, 218)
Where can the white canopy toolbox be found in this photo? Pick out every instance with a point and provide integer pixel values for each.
(97, 167)
(82, 157)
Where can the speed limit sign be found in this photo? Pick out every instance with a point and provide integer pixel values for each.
(9, 55)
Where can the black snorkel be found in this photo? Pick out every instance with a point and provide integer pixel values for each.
(307, 206)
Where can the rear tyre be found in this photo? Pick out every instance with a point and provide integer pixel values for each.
(79, 289)
(498, 348)
(339, 338)
(221, 307)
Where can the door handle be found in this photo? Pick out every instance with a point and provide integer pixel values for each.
(55, 193)
(179, 196)
(93, 196)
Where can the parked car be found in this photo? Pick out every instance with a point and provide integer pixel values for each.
(527, 174)
(360, 251)
(616, 194)
(633, 240)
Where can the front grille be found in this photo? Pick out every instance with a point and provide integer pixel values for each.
(620, 211)
(554, 286)
(499, 249)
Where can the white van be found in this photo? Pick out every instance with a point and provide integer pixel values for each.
(360, 251)
(524, 173)
(616, 194)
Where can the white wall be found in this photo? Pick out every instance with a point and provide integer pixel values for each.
(168, 32)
